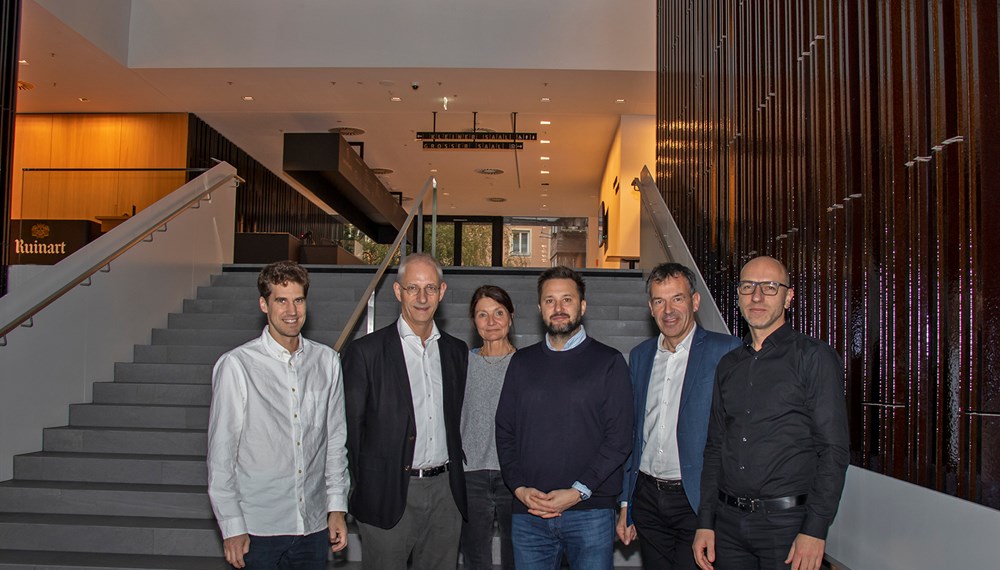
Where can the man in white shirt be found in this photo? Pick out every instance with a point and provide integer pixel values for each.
(277, 461)
(404, 385)
(672, 379)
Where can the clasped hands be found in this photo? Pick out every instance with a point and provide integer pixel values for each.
(547, 505)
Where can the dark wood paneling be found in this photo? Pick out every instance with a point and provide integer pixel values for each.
(265, 203)
(10, 33)
(854, 141)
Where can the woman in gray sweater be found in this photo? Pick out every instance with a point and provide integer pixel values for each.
(489, 499)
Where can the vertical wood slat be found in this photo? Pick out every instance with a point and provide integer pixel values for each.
(852, 140)
(265, 202)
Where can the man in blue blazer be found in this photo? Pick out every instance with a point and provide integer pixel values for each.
(672, 380)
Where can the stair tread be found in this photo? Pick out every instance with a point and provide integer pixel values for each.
(107, 521)
(98, 486)
(95, 560)
(115, 456)
(127, 429)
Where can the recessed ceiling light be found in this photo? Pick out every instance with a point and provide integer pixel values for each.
(248, 98)
(396, 99)
(544, 195)
(434, 170)
(545, 172)
(82, 99)
(544, 122)
(619, 100)
(544, 157)
(447, 193)
(348, 131)
(543, 141)
(497, 199)
(489, 171)
(545, 99)
(545, 205)
(23, 61)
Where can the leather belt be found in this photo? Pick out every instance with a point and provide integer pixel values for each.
(429, 472)
(662, 484)
(767, 505)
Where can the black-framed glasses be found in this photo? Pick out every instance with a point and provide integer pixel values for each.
(769, 288)
(414, 290)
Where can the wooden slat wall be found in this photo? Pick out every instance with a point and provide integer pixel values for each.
(95, 141)
(854, 141)
(265, 203)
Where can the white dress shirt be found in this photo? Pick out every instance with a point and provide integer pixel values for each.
(277, 460)
(660, 457)
(423, 366)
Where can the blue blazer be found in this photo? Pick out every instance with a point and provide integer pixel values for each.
(707, 348)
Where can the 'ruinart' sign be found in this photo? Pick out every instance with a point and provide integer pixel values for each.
(46, 242)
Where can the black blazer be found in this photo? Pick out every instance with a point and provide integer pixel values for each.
(381, 430)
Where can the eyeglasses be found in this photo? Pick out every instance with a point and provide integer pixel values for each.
(769, 288)
(414, 290)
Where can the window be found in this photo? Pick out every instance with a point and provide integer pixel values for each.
(520, 242)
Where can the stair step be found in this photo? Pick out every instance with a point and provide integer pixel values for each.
(124, 415)
(106, 499)
(78, 439)
(158, 372)
(112, 468)
(319, 294)
(149, 393)
(108, 534)
(37, 560)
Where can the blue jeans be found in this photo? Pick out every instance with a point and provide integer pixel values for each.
(587, 537)
(289, 552)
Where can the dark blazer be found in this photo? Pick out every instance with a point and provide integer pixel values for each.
(707, 348)
(381, 430)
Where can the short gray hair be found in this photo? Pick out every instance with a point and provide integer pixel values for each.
(419, 256)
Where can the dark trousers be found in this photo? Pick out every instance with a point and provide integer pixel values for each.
(489, 500)
(289, 552)
(665, 523)
(429, 531)
(755, 541)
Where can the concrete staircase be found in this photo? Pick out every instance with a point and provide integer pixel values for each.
(123, 486)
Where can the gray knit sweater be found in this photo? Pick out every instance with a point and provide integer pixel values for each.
(482, 392)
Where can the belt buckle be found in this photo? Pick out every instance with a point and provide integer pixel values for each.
(747, 504)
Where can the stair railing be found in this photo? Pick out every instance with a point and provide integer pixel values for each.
(367, 300)
(19, 307)
(672, 247)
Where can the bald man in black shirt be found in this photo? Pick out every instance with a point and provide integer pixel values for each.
(777, 450)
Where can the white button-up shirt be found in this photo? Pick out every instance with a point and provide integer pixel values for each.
(660, 457)
(423, 366)
(277, 460)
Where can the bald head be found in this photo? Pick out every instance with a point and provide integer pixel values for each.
(766, 265)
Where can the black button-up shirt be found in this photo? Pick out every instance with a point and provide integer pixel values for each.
(778, 427)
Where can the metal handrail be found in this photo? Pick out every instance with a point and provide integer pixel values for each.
(367, 296)
(675, 249)
(21, 305)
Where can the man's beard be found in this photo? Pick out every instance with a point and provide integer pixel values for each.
(564, 329)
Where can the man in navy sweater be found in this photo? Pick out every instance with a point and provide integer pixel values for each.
(564, 429)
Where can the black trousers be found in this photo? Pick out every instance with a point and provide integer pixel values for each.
(665, 523)
(755, 541)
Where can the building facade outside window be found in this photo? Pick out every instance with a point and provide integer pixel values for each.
(520, 242)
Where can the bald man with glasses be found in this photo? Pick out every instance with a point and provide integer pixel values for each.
(777, 450)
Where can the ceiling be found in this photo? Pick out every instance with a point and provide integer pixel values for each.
(311, 66)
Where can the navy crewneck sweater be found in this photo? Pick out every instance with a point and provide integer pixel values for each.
(566, 416)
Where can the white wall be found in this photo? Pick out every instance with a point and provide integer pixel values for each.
(885, 523)
(76, 340)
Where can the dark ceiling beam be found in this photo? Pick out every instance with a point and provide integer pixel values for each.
(326, 164)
